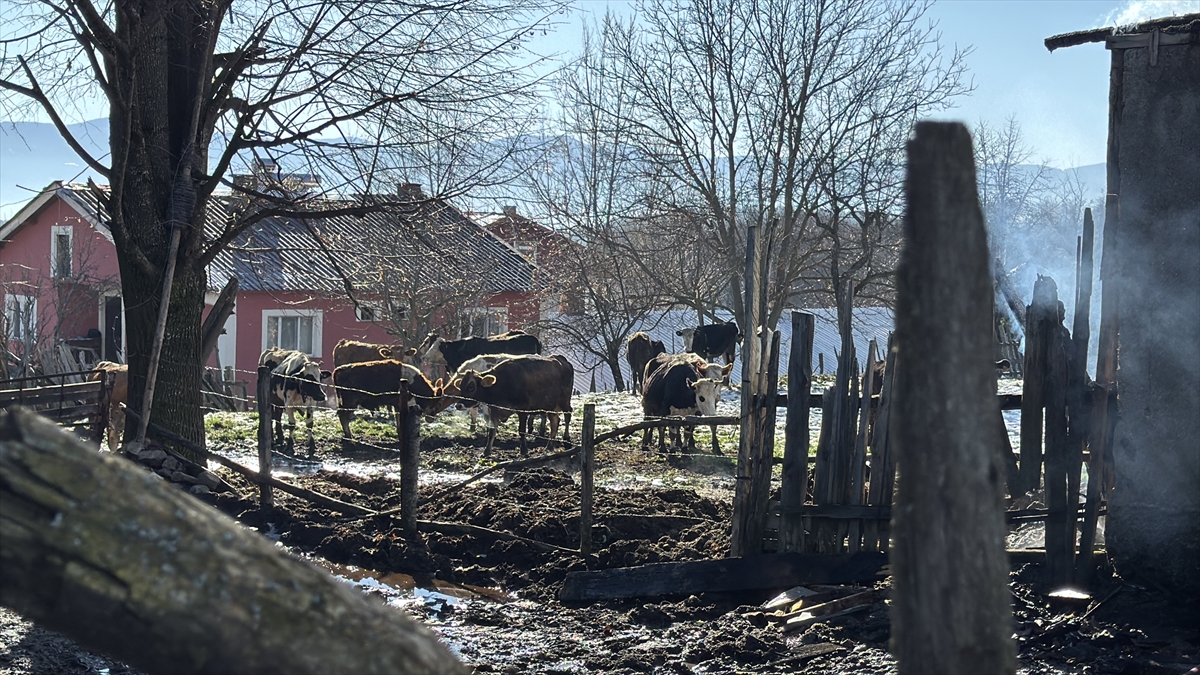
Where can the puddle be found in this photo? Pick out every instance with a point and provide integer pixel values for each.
(393, 584)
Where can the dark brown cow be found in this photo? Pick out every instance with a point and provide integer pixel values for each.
(454, 353)
(376, 384)
(638, 351)
(353, 351)
(522, 384)
(119, 376)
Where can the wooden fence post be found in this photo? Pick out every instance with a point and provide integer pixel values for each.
(408, 433)
(739, 543)
(1033, 395)
(794, 491)
(952, 609)
(883, 465)
(860, 447)
(587, 468)
(263, 400)
(1104, 404)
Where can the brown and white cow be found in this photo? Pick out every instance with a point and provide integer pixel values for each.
(295, 383)
(376, 384)
(675, 386)
(522, 384)
(119, 376)
(639, 349)
(713, 340)
(353, 351)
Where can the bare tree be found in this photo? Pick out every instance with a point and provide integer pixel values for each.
(781, 113)
(345, 90)
(591, 189)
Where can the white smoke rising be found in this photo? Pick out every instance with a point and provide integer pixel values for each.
(1144, 10)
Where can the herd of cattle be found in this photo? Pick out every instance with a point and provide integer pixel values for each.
(498, 376)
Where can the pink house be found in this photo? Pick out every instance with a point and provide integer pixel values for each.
(304, 284)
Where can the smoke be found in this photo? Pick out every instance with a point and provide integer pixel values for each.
(1144, 10)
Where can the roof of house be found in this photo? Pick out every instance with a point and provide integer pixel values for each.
(1186, 23)
(426, 244)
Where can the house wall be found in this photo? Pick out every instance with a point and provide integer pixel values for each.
(69, 307)
(1152, 531)
(337, 322)
(523, 308)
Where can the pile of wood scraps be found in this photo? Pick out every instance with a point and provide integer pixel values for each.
(803, 606)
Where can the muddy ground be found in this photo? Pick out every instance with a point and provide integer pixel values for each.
(496, 601)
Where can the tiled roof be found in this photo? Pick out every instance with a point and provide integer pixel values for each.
(430, 244)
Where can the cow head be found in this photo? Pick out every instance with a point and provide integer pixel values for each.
(687, 334)
(657, 347)
(310, 379)
(434, 354)
(708, 392)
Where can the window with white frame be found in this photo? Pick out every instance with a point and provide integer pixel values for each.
(484, 321)
(20, 317)
(62, 239)
(298, 329)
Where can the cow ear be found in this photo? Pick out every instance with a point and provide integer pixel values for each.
(410, 351)
(727, 370)
(487, 380)
(325, 375)
(438, 386)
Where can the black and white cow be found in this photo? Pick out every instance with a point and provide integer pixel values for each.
(676, 388)
(454, 353)
(713, 340)
(295, 383)
(522, 384)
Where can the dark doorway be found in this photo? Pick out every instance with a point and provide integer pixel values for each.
(112, 329)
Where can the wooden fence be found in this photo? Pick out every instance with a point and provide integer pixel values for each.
(62, 397)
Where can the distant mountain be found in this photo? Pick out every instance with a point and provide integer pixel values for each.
(33, 155)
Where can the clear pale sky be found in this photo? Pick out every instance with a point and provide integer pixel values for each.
(1059, 99)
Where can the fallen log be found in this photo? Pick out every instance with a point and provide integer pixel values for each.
(123, 563)
(780, 570)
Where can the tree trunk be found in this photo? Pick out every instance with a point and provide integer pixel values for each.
(177, 404)
(952, 609)
(124, 563)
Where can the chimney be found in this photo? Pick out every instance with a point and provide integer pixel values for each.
(410, 191)
(511, 212)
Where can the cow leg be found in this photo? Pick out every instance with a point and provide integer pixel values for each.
(312, 443)
(524, 425)
(487, 450)
(344, 416)
(646, 436)
(291, 414)
(567, 428)
(716, 443)
(553, 430)
(690, 433)
(474, 412)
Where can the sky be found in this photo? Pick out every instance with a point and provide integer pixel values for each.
(1060, 99)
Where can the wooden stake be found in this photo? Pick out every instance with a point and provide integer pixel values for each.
(860, 447)
(263, 400)
(739, 543)
(587, 468)
(408, 430)
(160, 329)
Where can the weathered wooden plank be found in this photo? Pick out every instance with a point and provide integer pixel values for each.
(794, 489)
(951, 606)
(776, 570)
(67, 393)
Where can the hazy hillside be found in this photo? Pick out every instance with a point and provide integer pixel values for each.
(33, 155)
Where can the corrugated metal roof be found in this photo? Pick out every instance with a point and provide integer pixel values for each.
(429, 244)
(868, 323)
